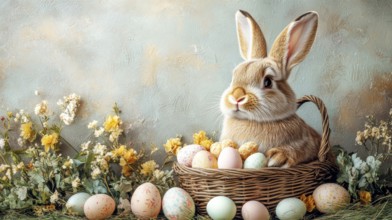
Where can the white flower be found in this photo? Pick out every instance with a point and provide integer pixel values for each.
(70, 106)
(20, 142)
(98, 132)
(99, 149)
(85, 146)
(36, 92)
(3, 167)
(41, 109)
(158, 174)
(356, 161)
(22, 193)
(76, 183)
(2, 143)
(96, 172)
(54, 197)
(92, 125)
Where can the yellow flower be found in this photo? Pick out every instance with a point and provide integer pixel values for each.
(129, 157)
(148, 167)
(173, 145)
(202, 139)
(112, 123)
(27, 132)
(309, 202)
(118, 152)
(365, 197)
(126, 170)
(49, 141)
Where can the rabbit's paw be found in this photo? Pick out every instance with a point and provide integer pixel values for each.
(279, 157)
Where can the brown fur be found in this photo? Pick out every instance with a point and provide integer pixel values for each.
(266, 114)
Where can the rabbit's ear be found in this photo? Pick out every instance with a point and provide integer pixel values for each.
(250, 38)
(294, 42)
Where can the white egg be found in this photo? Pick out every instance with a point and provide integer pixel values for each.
(221, 208)
(76, 202)
(290, 209)
(178, 204)
(254, 210)
(255, 161)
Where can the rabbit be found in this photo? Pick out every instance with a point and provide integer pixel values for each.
(259, 105)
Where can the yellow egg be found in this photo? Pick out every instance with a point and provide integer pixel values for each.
(247, 149)
(100, 206)
(216, 149)
(229, 143)
(186, 154)
(204, 159)
(330, 197)
(146, 201)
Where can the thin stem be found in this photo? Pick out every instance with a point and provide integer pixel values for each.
(107, 185)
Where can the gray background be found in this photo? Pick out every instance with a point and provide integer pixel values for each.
(167, 62)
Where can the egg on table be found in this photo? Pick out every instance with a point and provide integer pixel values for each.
(254, 210)
(186, 154)
(255, 161)
(290, 209)
(75, 203)
(99, 206)
(178, 204)
(221, 208)
(204, 159)
(146, 201)
(229, 158)
(330, 197)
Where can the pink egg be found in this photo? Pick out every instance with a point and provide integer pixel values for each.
(146, 201)
(229, 158)
(254, 210)
(186, 154)
(100, 206)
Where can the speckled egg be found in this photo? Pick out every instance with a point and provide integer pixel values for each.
(255, 161)
(254, 210)
(229, 158)
(186, 154)
(248, 149)
(177, 204)
(75, 203)
(146, 201)
(229, 143)
(330, 197)
(204, 159)
(221, 208)
(100, 206)
(290, 209)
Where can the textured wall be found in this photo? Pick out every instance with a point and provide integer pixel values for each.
(167, 62)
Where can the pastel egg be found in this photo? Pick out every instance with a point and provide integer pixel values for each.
(146, 201)
(255, 161)
(229, 158)
(254, 210)
(100, 206)
(330, 197)
(204, 159)
(221, 208)
(178, 204)
(186, 154)
(248, 149)
(216, 149)
(75, 203)
(290, 209)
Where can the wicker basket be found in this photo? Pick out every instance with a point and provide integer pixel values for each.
(267, 185)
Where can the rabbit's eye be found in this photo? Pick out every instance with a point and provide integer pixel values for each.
(267, 83)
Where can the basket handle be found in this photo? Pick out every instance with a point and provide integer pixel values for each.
(325, 146)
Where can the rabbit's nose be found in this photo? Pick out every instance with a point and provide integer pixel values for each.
(238, 96)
